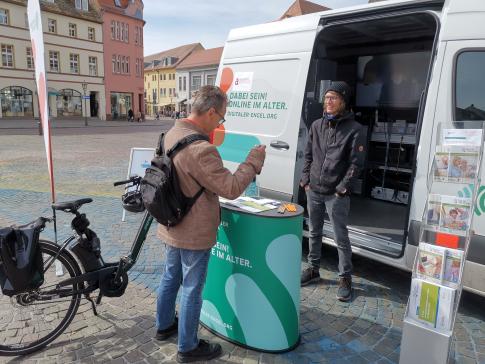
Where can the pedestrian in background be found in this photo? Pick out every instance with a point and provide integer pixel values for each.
(188, 244)
(333, 158)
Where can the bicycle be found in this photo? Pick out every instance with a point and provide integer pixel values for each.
(31, 320)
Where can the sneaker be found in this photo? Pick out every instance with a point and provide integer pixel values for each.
(344, 292)
(204, 351)
(169, 331)
(309, 275)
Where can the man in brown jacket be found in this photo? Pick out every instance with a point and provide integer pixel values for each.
(188, 244)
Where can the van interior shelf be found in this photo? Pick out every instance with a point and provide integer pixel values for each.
(393, 138)
(396, 169)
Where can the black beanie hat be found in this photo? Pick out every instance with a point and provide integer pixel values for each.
(342, 88)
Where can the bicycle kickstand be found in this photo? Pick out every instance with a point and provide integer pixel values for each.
(93, 305)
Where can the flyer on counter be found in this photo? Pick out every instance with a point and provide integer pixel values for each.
(457, 164)
(252, 204)
(449, 214)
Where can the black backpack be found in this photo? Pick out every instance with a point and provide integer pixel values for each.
(21, 264)
(160, 188)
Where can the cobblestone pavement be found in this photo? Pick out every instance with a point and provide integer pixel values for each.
(366, 330)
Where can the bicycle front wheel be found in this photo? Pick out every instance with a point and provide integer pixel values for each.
(29, 321)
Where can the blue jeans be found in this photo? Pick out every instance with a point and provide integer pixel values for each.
(338, 212)
(189, 269)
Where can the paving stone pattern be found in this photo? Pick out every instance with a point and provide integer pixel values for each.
(366, 330)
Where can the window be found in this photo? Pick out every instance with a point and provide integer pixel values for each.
(211, 80)
(136, 35)
(74, 63)
(128, 65)
(154, 95)
(122, 38)
(78, 4)
(113, 63)
(113, 29)
(185, 83)
(117, 3)
(30, 57)
(52, 25)
(4, 16)
(196, 82)
(17, 101)
(26, 20)
(91, 34)
(470, 86)
(164, 77)
(93, 66)
(54, 61)
(7, 55)
(85, 5)
(117, 30)
(127, 35)
(118, 64)
(72, 30)
(180, 83)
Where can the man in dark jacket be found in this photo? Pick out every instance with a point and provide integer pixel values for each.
(333, 157)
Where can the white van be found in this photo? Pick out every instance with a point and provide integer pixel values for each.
(412, 65)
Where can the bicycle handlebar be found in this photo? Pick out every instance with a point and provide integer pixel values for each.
(135, 180)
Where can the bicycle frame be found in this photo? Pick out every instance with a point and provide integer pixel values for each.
(122, 267)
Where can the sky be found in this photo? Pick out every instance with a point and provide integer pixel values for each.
(170, 24)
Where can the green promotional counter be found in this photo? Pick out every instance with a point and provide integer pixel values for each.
(252, 292)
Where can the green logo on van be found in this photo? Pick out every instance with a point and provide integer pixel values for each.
(467, 192)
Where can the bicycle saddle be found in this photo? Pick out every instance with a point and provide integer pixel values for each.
(71, 205)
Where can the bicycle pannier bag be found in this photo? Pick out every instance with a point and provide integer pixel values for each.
(160, 188)
(21, 264)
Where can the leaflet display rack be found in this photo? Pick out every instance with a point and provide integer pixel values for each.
(444, 239)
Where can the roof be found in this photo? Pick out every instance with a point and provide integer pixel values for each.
(67, 8)
(180, 53)
(133, 11)
(302, 7)
(202, 58)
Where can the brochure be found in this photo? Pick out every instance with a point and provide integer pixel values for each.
(462, 137)
(457, 164)
(252, 204)
(449, 214)
(453, 267)
(431, 304)
(430, 262)
(439, 265)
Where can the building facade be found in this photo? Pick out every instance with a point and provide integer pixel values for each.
(123, 56)
(160, 78)
(73, 37)
(197, 70)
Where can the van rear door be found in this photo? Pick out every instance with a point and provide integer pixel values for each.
(264, 70)
(459, 85)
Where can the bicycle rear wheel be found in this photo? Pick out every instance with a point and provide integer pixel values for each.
(31, 320)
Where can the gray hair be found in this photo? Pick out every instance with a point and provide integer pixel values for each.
(207, 97)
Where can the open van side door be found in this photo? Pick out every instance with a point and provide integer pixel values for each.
(264, 71)
(456, 94)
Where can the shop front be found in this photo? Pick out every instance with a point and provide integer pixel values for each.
(16, 101)
(69, 103)
(120, 104)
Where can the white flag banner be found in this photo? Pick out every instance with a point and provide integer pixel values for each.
(37, 39)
